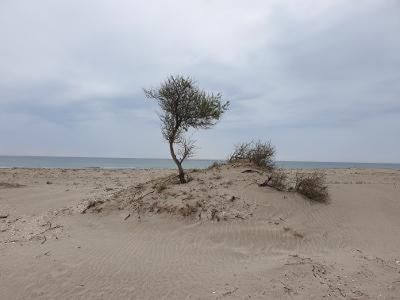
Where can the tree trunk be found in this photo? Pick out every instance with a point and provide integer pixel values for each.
(178, 163)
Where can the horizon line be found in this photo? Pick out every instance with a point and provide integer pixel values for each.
(214, 159)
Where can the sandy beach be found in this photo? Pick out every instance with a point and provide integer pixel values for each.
(74, 234)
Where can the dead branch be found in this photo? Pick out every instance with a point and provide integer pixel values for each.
(251, 171)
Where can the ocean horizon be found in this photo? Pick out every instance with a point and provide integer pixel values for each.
(66, 162)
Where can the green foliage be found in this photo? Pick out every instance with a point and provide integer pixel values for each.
(183, 106)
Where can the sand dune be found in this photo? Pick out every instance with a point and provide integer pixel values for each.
(267, 244)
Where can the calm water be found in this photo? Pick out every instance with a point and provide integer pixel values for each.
(141, 163)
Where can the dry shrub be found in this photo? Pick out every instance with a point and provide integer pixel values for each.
(278, 180)
(298, 234)
(89, 204)
(7, 185)
(188, 210)
(161, 184)
(215, 165)
(312, 186)
(259, 153)
(216, 177)
(161, 187)
(262, 154)
(241, 152)
(214, 215)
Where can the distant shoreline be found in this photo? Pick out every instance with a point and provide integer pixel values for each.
(191, 159)
(33, 162)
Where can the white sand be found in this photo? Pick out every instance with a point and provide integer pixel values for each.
(280, 245)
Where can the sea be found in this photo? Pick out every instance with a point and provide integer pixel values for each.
(157, 163)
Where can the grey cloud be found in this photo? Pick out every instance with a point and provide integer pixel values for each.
(318, 70)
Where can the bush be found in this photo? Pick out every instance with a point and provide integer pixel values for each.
(262, 154)
(258, 153)
(312, 186)
(241, 152)
(278, 180)
(161, 187)
(215, 165)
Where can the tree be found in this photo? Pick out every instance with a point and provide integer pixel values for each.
(184, 106)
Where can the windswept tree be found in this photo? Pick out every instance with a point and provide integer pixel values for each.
(184, 106)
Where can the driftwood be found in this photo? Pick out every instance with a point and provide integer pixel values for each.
(51, 227)
(140, 198)
(91, 204)
(3, 215)
(266, 182)
(251, 171)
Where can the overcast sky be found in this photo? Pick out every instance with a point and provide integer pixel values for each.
(320, 79)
